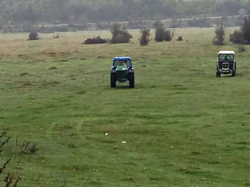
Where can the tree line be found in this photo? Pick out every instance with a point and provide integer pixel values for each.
(73, 11)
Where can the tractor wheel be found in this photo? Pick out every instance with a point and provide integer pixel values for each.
(131, 80)
(218, 74)
(113, 80)
(233, 73)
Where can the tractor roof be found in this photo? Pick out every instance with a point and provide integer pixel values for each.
(122, 59)
(226, 53)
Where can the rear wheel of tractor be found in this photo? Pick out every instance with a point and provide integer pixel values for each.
(131, 80)
(218, 74)
(113, 80)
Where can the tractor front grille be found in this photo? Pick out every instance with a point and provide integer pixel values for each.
(225, 65)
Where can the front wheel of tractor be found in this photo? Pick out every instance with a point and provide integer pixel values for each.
(233, 73)
(131, 80)
(113, 80)
(218, 74)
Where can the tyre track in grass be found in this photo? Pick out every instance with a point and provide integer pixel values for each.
(80, 125)
(78, 128)
(49, 132)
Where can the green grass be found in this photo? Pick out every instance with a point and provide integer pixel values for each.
(182, 125)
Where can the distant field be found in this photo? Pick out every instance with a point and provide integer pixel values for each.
(182, 125)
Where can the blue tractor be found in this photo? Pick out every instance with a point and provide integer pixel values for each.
(122, 71)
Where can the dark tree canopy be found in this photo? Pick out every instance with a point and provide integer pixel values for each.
(75, 11)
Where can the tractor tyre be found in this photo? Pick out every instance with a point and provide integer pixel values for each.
(233, 73)
(218, 74)
(113, 80)
(131, 80)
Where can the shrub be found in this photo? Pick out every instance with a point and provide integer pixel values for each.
(119, 34)
(159, 31)
(236, 37)
(168, 35)
(161, 34)
(243, 35)
(245, 29)
(179, 38)
(145, 34)
(97, 40)
(33, 36)
(219, 34)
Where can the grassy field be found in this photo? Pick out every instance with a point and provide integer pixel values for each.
(182, 125)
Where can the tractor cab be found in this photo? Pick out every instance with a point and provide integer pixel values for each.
(122, 63)
(226, 63)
